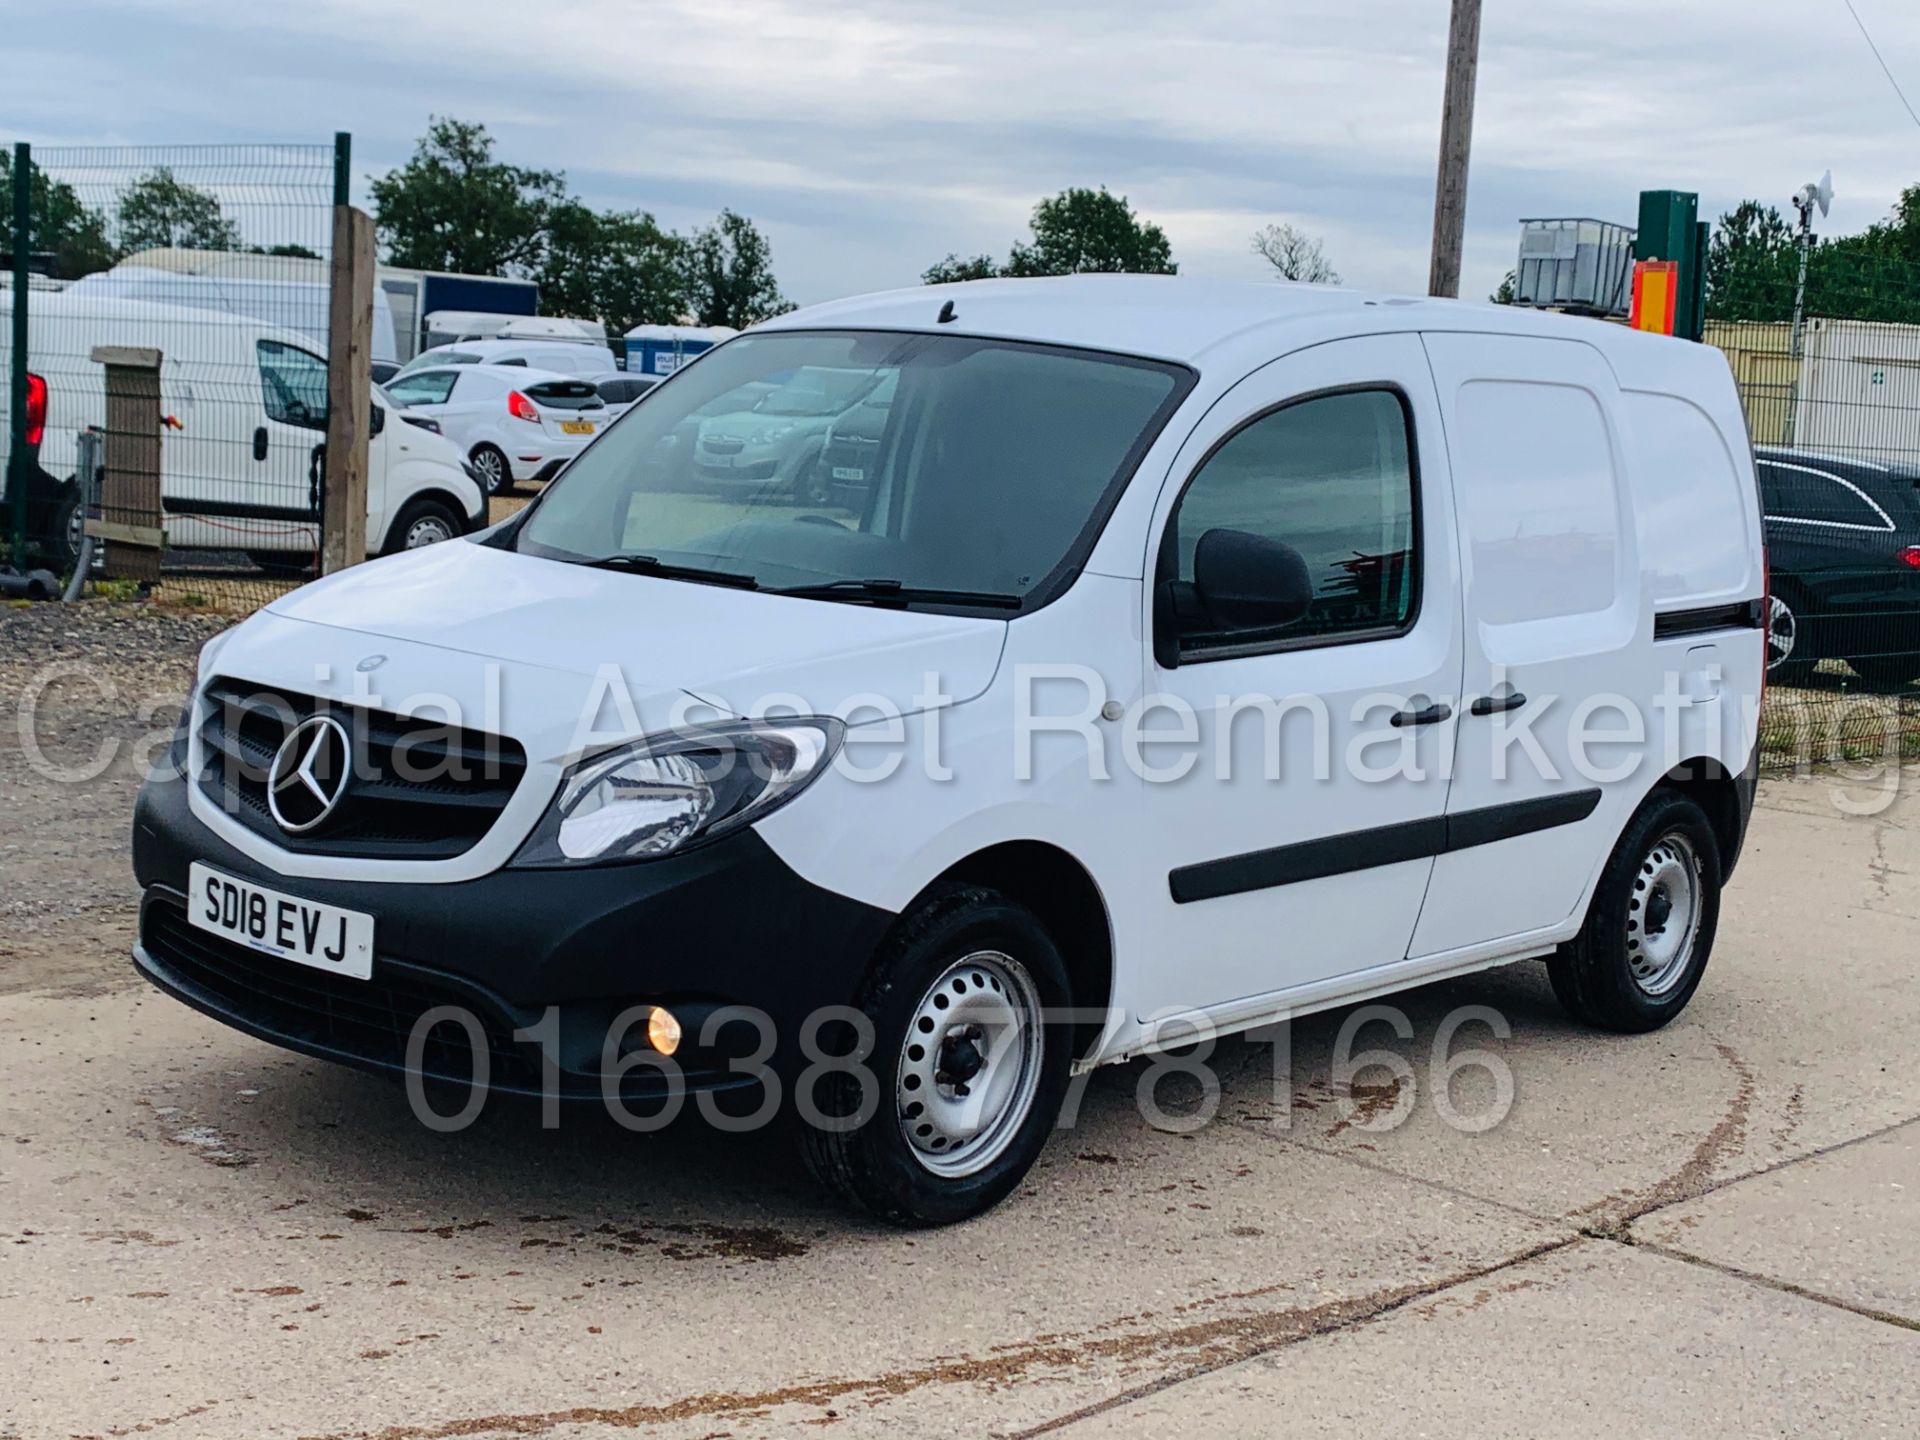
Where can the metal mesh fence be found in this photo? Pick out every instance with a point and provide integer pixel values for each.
(214, 260)
(1833, 403)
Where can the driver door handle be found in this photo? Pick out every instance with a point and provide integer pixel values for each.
(1432, 715)
(1499, 704)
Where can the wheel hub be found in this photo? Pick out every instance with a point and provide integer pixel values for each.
(1663, 915)
(970, 1064)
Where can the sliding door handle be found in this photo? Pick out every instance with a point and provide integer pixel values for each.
(1432, 715)
(1499, 704)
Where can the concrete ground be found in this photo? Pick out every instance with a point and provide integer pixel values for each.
(1711, 1229)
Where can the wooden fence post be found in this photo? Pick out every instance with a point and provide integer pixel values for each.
(343, 505)
(130, 522)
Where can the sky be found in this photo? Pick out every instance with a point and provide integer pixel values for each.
(868, 138)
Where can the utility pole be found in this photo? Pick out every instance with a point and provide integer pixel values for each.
(1456, 146)
(1818, 195)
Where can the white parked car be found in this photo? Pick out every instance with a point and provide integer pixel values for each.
(245, 415)
(1200, 656)
(511, 423)
(557, 357)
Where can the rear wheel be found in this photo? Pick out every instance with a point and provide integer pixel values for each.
(1640, 956)
(491, 467)
(969, 1072)
(66, 533)
(424, 522)
(1788, 662)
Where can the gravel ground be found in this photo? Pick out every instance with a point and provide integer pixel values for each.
(93, 691)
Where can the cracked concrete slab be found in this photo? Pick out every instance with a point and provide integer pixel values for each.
(1841, 1225)
(1596, 1340)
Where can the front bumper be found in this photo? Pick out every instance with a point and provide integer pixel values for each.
(729, 924)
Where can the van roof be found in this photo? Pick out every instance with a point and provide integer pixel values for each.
(1178, 317)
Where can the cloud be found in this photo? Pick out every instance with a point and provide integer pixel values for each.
(870, 138)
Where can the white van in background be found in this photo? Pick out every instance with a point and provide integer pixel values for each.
(286, 304)
(562, 357)
(243, 419)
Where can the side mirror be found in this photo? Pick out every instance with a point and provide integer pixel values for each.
(376, 419)
(1250, 582)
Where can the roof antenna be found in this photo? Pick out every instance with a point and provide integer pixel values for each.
(946, 314)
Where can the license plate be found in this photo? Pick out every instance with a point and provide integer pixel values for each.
(848, 472)
(281, 925)
(576, 427)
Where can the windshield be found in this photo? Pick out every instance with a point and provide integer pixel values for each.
(993, 469)
(992, 473)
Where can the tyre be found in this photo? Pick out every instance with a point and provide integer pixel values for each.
(66, 533)
(1788, 662)
(423, 522)
(491, 468)
(1887, 672)
(969, 1077)
(1638, 959)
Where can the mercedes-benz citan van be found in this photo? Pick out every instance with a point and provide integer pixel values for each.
(1188, 656)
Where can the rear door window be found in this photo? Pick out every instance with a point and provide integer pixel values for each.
(424, 387)
(1800, 494)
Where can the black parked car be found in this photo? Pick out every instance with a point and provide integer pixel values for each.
(1843, 546)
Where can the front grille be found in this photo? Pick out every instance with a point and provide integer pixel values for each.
(419, 789)
(367, 1020)
(715, 445)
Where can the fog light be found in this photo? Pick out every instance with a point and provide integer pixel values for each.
(663, 1031)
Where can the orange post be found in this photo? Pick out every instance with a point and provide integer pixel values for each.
(1656, 295)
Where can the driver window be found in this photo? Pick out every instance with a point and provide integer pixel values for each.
(293, 384)
(1333, 478)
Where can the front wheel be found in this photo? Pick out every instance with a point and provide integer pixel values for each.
(968, 1069)
(1641, 954)
(424, 522)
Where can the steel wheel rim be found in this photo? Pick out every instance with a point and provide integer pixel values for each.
(427, 530)
(1663, 915)
(958, 1120)
(1783, 632)
(489, 466)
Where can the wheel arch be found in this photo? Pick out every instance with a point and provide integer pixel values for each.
(431, 492)
(1719, 793)
(1058, 889)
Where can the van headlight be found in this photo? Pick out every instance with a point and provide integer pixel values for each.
(666, 792)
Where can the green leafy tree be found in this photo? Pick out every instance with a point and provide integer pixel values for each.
(159, 211)
(1091, 230)
(291, 252)
(1751, 265)
(63, 225)
(620, 268)
(729, 274)
(1509, 290)
(953, 268)
(453, 206)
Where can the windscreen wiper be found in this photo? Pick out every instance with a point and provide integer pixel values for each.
(895, 592)
(653, 565)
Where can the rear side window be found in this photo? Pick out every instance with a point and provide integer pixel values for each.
(424, 387)
(1801, 495)
(1332, 477)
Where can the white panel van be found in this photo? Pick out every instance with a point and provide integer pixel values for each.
(1187, 657)
(243, 415)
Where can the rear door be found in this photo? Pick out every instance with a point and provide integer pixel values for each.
(288, 443)
(1557, 636)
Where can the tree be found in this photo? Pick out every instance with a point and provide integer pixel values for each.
(1751, 265)
(1509, 290)
(729, 274)
(1295, 254)
(159, 211)
(953, 268)
(454, 207)
(290, 252)
(620, 268)
(62, 224)
(1091, 230)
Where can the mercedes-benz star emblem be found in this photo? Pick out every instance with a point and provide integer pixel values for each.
(309, 775)
(370, 664)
